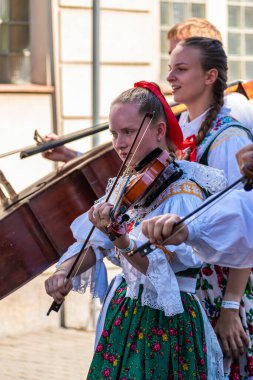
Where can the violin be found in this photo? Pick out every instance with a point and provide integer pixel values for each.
(142, 186)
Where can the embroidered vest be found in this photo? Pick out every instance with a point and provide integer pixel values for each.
(217, 128)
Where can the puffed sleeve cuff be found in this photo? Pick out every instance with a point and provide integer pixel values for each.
(96, 277)
(193, 227)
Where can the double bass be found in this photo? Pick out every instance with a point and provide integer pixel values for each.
(34, 227)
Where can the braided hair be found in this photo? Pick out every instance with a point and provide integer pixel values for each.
(147, 103)
(212, 56)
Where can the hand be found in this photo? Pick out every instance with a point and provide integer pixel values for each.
(99, 215)
(231, 334)
(245, 156)
(61, 153)
(57, 286)
(160, 228)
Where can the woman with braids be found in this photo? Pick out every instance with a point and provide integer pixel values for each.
(198, 76)
(151, 325)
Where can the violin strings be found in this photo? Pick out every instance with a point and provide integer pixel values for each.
(128, 168)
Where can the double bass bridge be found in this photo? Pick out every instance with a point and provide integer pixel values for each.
(7, 193)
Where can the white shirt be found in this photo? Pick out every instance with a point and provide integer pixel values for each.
(223, 234)
(160, 286)
(222, 152)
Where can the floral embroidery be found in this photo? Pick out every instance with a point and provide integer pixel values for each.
(150, 345)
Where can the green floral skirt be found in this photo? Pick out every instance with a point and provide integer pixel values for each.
(139, 342)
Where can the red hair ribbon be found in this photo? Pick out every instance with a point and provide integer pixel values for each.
(175, 132)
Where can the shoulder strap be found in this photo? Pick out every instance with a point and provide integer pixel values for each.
(218, 127)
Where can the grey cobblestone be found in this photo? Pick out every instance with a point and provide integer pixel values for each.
(56, 354)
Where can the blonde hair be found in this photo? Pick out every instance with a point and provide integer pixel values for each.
(193, 27)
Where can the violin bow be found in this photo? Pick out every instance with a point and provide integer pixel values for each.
(148, 247)
(76, 265)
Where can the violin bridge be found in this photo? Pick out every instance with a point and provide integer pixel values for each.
(130, 171)
(7, 193)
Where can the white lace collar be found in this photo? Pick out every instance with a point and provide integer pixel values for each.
(209, 178)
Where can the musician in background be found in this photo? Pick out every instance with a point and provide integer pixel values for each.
(61, 153)
(222, 234)
(237, 105)
(198, 75)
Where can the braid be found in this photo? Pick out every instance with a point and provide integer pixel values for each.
(210, 117)
(212, 57)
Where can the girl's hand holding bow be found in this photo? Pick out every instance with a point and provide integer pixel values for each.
(162, 228)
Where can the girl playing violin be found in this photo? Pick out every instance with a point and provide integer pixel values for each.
(151, 324)
(198, 75)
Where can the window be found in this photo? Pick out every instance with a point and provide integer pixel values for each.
(172, 12)
(14, 41)
(240, 39)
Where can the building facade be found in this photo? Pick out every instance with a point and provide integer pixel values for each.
(46, 70)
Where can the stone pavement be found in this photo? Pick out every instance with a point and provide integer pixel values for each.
(55, 354)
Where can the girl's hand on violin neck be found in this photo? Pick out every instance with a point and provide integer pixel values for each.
(99, 215)
(57, 286)
(160, 228)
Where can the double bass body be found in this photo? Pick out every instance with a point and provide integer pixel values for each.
(35, 231)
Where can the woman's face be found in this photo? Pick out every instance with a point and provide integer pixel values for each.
(124, 122)
(186, 75)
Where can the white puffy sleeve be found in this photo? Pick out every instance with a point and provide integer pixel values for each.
(160, 275)
(223, 234)
(95, 277)
(222, 152)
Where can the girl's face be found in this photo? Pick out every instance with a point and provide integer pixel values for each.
(186, 76)
(124, 122)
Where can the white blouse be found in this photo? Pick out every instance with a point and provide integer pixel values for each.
(222, 152)
(223, 234)
(160, 285)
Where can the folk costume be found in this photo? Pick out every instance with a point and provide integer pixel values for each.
(226, 137)
(152, 326)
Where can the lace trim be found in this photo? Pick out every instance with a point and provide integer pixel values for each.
(210, 179)
(133, 278)
(213, 350)
(159, 278)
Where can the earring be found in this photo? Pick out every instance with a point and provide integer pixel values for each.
(158, 139)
